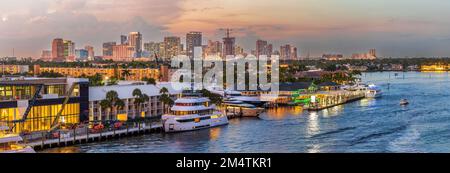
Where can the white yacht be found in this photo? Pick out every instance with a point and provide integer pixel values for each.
(9, 142)
(193, 113)
(373, 91)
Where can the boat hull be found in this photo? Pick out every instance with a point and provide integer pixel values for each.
(171, 124)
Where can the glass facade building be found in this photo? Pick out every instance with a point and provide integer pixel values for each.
(16, 96)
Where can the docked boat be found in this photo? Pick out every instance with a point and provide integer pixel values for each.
(193, 113)
(373, 91)
(242, 109)
(404, 102)
(9, 142)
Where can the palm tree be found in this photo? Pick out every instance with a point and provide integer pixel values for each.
(137, 94)
(112, 102)
(165, 98)
(139, 99)
(149, 81)
(126, 73)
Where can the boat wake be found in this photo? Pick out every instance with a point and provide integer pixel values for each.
(364, 139)
(404, 143)
(320, 135)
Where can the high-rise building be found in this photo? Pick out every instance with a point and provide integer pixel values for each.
(123, 39)
(214, 48)
(153, 49)
(373, 52)
(269, 50)
(122, 52)
(58, 49)
(261, 48)
(172, 47)
(108, 48)
(90, 51)
(228, 45)
(285, 52)
(135, 41)
(193, 39)
(81, 54)
(239, 50)
(288, 52)
(69, 49)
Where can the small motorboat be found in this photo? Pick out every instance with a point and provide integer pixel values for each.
(404, 102)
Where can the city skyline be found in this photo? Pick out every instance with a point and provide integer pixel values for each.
(396, 29)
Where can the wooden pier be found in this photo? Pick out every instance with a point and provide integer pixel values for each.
(74, 138)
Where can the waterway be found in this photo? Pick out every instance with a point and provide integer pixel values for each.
(368, 125)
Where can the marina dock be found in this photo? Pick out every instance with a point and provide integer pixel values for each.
(75, 138)
(331, 99)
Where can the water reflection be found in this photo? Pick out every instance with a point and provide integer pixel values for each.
(312, 129)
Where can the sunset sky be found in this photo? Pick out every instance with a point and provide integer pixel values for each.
(396, 28)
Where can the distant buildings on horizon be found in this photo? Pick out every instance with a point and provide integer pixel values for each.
(133, 48)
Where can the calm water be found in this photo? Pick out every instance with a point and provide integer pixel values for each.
(379, 125)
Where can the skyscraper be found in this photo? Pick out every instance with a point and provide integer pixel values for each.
(261, 48)
(58, 49)
(123, 39)
(228, 44)
(90, 51)
(193, 39)
(172, 47)
(214, 48)
(373, 53)
(81, 54)
(108, 48)
(135, 41)
(153, 49)
(69, 49)
(285, 52)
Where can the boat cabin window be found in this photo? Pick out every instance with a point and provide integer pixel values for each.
(201, 112)
(193, 104)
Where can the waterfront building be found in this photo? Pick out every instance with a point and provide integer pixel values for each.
(193, 39)
(435, 67)
(172, 47)
(32, 104)
(228, 45)
(58, 49)
(152, 107)
(108, 49)
(136, 74)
